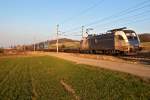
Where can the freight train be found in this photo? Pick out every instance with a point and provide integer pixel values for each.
(115, 41)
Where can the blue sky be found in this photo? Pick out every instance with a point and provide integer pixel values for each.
(26, 21)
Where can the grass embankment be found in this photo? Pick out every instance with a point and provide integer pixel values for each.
(39, 78)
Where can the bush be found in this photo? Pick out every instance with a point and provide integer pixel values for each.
(144, 37)
(63, 46)
(1, 50)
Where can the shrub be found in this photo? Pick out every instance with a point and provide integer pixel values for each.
(1, 50)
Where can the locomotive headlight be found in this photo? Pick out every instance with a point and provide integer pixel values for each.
(136, 45)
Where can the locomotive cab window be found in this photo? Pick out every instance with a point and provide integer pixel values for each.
(131, 36)
(120, 37)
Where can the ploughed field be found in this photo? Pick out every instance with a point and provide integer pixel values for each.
(42, 78)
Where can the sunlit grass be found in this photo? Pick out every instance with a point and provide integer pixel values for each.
(25, 78)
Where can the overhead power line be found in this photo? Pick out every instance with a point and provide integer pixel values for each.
(83, 12)
(123, 12)
(72, 33)
(136, 16)
(120, 14)
(138, 21)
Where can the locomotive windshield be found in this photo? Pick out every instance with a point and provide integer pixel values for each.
(131, 35)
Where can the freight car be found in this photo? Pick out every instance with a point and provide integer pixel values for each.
(115, 41)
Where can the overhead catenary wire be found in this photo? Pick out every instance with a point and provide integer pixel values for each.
(135, 21)
(123, 12)
(138, 21)
(117, 15)
(73, 33)
(131, 22)
(83, 12)
(114, 21)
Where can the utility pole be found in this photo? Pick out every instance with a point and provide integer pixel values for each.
(82, 31)
(24, 47)
(57, 37)
(34, 47)
(34, 44)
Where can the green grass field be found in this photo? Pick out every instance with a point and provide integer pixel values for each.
(38, 78)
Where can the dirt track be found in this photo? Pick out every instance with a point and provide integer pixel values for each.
(135, 69)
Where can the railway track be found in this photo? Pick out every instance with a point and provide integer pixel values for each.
(131, 58)
(136, 59)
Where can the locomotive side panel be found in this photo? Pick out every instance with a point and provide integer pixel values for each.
(99, 42)
(104, 42)
(107, 42)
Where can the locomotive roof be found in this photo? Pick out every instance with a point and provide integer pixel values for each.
(130, 31)
(117, 29)
(99, 35)
(120, 29)
(111, 32)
